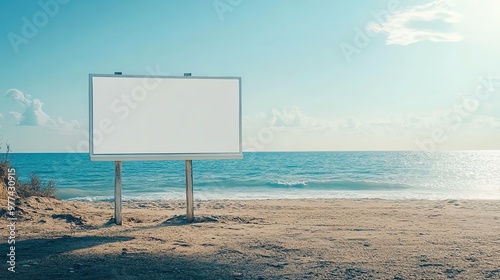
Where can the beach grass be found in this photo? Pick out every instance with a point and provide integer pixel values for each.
(34, 187)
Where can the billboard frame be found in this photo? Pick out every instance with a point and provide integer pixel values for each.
(161, 156)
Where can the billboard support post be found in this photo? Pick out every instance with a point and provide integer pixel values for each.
(189, 192)
(189, 185)
(118, 192)
(118, 187)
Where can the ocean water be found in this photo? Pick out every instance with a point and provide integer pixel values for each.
(276, 175)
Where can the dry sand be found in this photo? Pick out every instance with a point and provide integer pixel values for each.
(268, 239)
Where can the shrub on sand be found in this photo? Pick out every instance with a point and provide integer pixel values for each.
(35, 187)
(4, 166)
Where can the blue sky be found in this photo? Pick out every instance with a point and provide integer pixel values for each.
(317, 75)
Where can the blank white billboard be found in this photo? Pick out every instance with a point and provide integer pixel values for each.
(162, 118)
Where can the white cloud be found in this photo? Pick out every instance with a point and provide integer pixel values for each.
(400, 32)
(290, 128)
(349, 124)
(19, 96)
(17, 116)
(293, 118)
(486, 122)
(34, 115)
(62, 125)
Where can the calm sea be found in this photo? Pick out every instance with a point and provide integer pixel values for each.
(387, 175)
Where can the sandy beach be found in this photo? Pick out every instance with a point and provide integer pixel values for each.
(259, 239)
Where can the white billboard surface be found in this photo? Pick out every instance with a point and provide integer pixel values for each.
(162, 118)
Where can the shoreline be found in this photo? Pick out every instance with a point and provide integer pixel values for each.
(291, 199)
(427, 197)
(259, 239)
